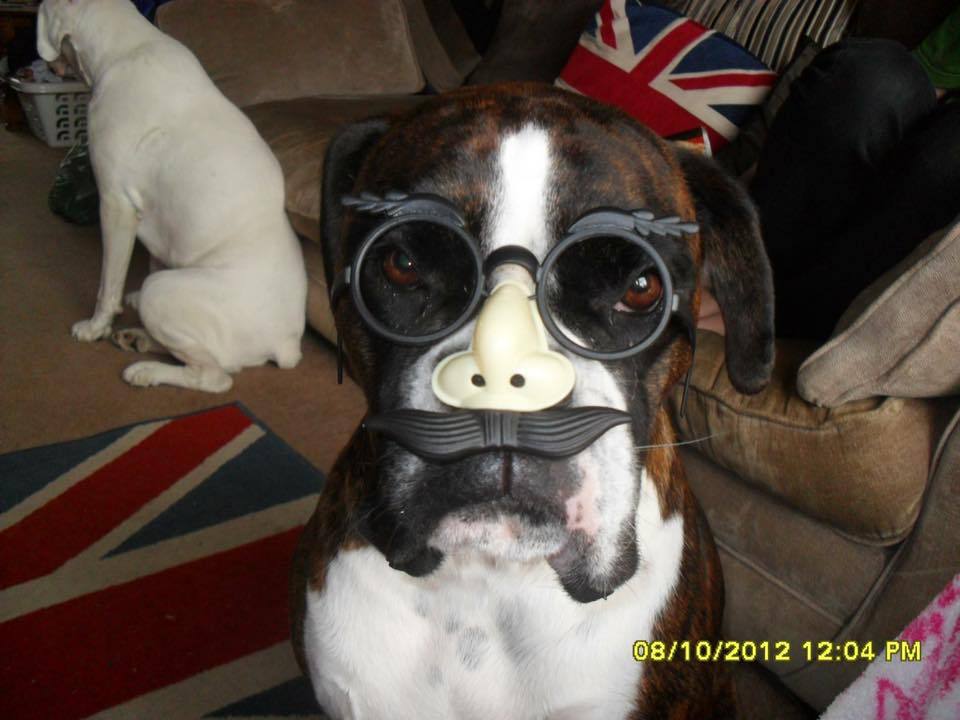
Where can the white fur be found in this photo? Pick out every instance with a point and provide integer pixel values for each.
(382, 644)
(181, 168)
(520, 216)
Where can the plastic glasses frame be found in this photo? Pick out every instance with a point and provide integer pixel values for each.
(633, 226)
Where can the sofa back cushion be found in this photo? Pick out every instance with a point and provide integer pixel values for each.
(262, 50)
(899, 337)
(773, 30)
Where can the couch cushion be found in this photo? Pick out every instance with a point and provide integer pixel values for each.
(262, 50)
(298, 132)
(787, 576)
(668, 72)
(899, 337)
(773, 29)
(861, 467)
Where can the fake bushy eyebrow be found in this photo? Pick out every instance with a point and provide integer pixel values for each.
(395, 204)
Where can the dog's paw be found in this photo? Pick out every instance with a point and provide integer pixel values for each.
(144, 374)
(133, 299)
(193, 377)
(90, 330)
(133, 340)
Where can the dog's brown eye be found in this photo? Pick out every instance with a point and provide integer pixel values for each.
(643, 294)
(400, 268)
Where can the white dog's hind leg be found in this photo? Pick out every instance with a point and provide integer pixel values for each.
(133, 298)
(187, 312)
(193, 376)
(118, 218)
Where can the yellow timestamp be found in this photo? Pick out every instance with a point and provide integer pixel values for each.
(825, 651)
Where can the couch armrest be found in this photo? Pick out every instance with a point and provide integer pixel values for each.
(926, 562)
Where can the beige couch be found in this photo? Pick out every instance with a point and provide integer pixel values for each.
(833, 523)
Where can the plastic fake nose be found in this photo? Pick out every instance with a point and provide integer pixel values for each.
(509, 365)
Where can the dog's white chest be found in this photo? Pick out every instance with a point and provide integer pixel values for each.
(479, 640)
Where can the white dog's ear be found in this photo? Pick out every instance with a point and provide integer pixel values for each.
(345, 155)
(49, 34)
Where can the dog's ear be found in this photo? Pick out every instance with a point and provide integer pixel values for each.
(345, 155)
(49, 34)
(736, 269)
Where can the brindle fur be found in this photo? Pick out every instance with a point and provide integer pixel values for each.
(629, 167)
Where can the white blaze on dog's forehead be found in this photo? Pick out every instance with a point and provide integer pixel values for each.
(520, 209)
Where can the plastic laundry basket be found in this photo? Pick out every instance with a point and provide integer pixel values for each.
(56, 112)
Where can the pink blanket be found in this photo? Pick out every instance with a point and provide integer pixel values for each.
(912, 689)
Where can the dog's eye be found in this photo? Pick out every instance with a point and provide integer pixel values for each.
(400, 268)
(643, 295)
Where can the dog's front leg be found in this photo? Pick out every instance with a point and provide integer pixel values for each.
(118, 220)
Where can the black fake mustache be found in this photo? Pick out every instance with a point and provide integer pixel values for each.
(445, 437)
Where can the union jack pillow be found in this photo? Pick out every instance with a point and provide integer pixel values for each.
(667, 71)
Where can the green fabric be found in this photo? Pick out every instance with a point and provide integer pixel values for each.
(939, 53)
(74, 193)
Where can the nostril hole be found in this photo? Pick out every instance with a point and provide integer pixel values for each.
(478, 380)
(518, 381)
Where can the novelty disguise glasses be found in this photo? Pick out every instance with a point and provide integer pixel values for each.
(418, 276)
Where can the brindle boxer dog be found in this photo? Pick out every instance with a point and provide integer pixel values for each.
(513, 514)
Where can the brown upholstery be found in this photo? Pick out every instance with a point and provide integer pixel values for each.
(298, 132)
(788, 577)
(262, 50)
(861, 467)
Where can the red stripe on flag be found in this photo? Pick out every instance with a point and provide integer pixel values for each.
(102, 649)
(85, 512)
(606, 25)
(725, 80)
(607, 83)
(667, 49)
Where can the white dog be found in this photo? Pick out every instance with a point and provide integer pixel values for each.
(184, 170)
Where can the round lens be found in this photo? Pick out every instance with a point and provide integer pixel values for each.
(416, 279)
(605, 295)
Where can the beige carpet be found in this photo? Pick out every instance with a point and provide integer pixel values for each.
(53, 388)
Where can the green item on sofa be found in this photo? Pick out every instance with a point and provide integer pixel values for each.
(74, 193)
(939, 53)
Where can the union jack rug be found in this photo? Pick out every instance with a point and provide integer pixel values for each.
(667, 71)
(144, 573)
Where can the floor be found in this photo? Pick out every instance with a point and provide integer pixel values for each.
(53, 388)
